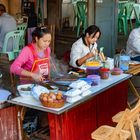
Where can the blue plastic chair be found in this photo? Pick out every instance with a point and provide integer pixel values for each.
(11, 44)
(23, 28)
(10, 51)
(81, 16)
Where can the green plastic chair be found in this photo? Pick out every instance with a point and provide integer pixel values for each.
(12, 40)
(81, 16)
(122, 20)
(23, 28)
(137, 15)
(129, 10)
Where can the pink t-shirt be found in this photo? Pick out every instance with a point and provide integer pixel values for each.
(25, 60)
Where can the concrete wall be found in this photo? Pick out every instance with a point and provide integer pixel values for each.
(67, 11)
(91, 12)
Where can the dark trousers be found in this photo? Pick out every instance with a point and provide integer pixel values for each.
(137, 58)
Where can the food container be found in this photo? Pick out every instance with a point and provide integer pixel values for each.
(73, 99)
(53, 100)
(124, 62)
(109, 63)
(88, 80)
(92, 70)
(116, 71)
(73, 92)
(95, 79)
(25, 90)
(57, 104)
(104, 73)
(78, 84)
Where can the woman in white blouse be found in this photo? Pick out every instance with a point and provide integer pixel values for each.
(85, 47)
(133, 44)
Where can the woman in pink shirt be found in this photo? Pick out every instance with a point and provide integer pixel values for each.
(33, 62)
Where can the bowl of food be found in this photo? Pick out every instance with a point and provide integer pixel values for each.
(116, 71)
(51, 99)
(25, 90)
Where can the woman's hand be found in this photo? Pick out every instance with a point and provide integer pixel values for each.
(38, 77)
(89, 55)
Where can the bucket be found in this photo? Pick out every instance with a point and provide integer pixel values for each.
(124, 62)
(95, 79)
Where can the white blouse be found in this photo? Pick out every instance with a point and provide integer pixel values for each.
(133, 43)
(79, 50)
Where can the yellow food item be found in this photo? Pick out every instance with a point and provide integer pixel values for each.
(93, 63)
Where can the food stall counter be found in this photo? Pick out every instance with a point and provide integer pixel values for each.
(79, 119)
(95, 90)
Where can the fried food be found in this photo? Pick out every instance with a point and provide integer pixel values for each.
(93, 63)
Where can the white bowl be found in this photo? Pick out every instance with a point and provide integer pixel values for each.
(24, 91)
(37, 90)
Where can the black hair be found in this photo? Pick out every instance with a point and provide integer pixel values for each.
(2, 8)
(93, 29)
(40, 32)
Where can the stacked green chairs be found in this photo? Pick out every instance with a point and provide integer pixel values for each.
(125, 17)
(22, 27)
(122, 20)
(137, 15)
(81, 16)
(129, 10)
(75, 14)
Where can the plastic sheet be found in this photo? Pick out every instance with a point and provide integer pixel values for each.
(58, 67)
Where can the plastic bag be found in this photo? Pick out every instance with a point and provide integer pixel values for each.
(57, 67)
